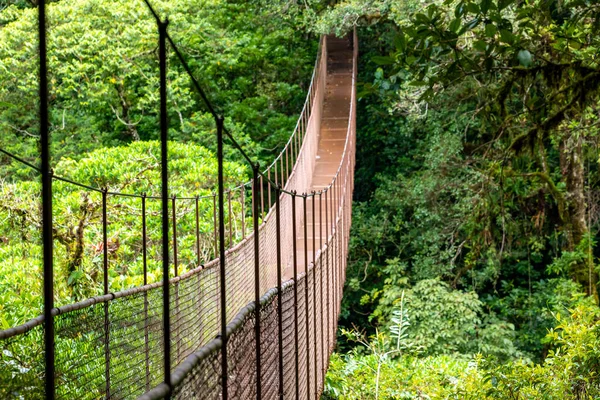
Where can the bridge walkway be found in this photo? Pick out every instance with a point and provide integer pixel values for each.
(332, 138)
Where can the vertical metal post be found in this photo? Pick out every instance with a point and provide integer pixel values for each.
(145, 265)
(253, 194)
(176, 273)
(293, 151)
(329, 269)
(269, 189)
(257, 329)
(314, 293)
(242, 193)
(105, 284)
(197, 231)
(222, 275)
(306, 299)
(47, 235)
(321, 285)
(262, 198)
(47, 222)
(164, 169)
(295, 250)
(327, 289)
(215, 228)
(337, 228)
(298, 143)
(230, 217)
(279, 294)
(144, 240)
(282, 170)
(174, 215)
(337, 292)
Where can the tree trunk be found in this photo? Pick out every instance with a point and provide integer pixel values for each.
(575, 224)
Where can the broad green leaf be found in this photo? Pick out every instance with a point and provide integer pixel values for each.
(490, 30)
(454, 25)
(382, 60)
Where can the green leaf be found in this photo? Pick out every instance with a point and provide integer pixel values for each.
(400, 42)
(470, 25)
(480, 45)
(485, 5)
(422, 18)
(473, 8)
(454, 25)
(490, 30)
(459, 10)
(507, 36)
(382, 60)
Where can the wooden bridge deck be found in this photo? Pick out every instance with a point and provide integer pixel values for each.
(332, 138)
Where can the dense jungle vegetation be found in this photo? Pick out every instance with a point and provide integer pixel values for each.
(474, 251)
(473, 271)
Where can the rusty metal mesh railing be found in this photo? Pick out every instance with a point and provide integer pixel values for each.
(113, 346)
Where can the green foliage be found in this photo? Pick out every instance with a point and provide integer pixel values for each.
(78, 222)
(103, 67)
(354, 377)
(476, 181)
(570, 371)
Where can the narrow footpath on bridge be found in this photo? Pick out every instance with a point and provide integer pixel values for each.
(332, 139)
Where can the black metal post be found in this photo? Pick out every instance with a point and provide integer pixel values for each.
(215, 227)
(306, 298)
(327, 294)
(174, 216)
(145, 264)
(164, 170)
(329, 270)
(262, 198)
(314, 293)
(257, 329)
(282, 170)
(47, 235)
(144, 240)
(197, 232)
(268, 190)
(295, 250)
(333, 266)
(279, 294)
(287, 162)
(105, 284)
(222, 275)
(323, 333)
(176, 273)
(243, 201)
(230, 218)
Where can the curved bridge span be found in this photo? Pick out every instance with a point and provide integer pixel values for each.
(261, 324)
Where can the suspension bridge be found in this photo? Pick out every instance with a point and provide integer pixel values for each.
(257, 320)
